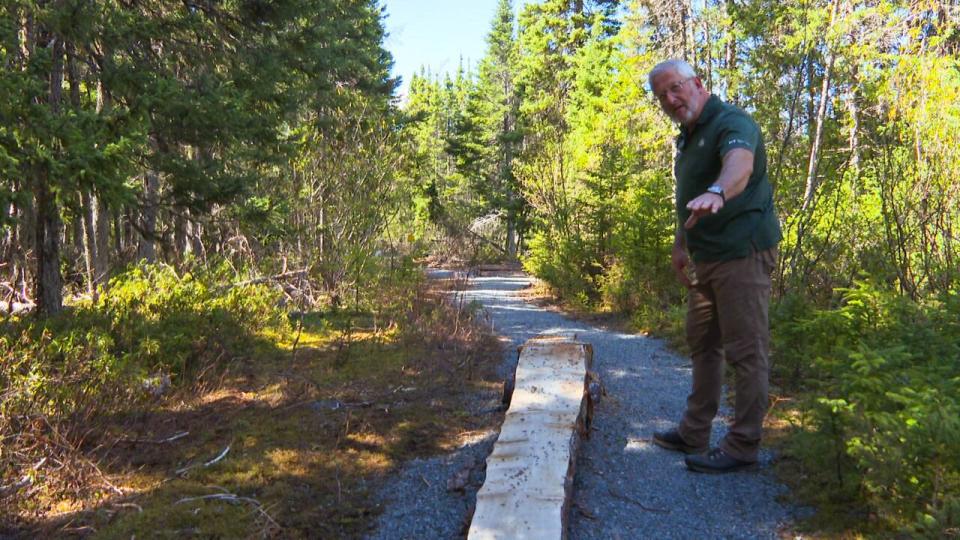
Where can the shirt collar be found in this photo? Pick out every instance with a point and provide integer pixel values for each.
(710, 109)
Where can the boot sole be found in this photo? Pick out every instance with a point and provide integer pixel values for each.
(736, 468)
(677, 448)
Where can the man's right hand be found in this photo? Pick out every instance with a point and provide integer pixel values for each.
(680, 260)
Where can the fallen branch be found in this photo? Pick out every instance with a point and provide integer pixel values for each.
(10, 489)
(16, 308)
(232, 499)
(207, 464)
(457, 232)
(170, 439)
(138, 508)
(276, 277)
(180, 435)
(218, 458)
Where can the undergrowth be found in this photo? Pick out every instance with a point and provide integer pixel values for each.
(65, 379)
(176, 405)
(875, 437)
(867, 398)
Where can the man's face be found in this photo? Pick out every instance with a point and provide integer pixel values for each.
(681, 98)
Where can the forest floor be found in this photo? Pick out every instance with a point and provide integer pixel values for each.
(300, 439)
(625, 487)
(291, 443)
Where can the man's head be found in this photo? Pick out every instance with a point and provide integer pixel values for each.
(678, 90)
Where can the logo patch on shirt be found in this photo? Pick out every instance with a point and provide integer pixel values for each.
(700, 144)
(738, 141)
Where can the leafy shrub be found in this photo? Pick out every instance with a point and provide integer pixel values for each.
(883, 403)
(564, 264)
(169, 322)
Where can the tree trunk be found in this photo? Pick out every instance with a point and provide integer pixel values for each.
(26, 227)
(101, 233)
(853, 107)
(511, 236)
(90, 251)
(119, 232)
(84, 237)
(812, 183)
(195, 238)
(730, 44)
(814, 161)
(180, 245)
(99, 213)
(147, 249)
(74, 235)
(708, 54)
(49, 281)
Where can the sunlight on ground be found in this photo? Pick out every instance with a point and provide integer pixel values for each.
(638, 445)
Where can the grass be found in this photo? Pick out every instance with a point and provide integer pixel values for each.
(293, 442)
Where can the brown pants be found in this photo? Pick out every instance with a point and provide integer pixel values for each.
(727, 316)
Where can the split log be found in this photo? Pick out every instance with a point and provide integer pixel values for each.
(527, 492)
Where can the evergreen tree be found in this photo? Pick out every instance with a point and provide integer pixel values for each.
(486, 136)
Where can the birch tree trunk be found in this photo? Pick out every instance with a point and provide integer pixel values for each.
(89, 241)
(812, 183)
(853, 107)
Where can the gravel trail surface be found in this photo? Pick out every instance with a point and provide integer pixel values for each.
(625, 486)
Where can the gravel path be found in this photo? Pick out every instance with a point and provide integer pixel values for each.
(625, 487)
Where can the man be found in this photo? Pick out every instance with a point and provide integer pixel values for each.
(728, 226)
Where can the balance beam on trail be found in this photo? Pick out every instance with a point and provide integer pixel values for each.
(527, 490)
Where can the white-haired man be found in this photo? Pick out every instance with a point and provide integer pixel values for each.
(728, 226)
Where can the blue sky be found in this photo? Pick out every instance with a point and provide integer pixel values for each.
(435, 33)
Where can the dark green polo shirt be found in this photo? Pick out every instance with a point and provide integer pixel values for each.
(747, 222)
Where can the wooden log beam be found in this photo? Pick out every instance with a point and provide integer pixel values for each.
(527, 490)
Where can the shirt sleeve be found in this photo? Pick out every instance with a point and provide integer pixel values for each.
(738, 131)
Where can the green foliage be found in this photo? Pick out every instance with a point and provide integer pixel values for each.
(172, 323)
(388, 288)
(169, 112)
(151, 322)
(562, 264)
(857, 103)
(883, 402)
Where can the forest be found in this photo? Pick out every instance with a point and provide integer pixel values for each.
(188, 186)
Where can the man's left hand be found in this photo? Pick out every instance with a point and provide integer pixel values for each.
(707, 203)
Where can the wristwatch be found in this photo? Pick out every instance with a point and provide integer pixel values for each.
(718, 191)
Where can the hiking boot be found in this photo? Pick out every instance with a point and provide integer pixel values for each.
(671, 440)
(717, 461)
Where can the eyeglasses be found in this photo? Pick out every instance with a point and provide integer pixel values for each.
(673, 89)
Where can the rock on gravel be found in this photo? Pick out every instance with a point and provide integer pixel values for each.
(625, 487)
